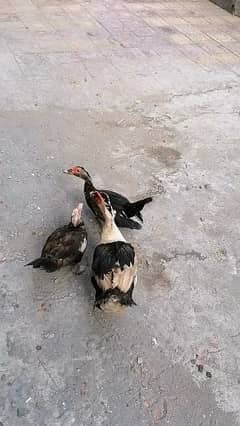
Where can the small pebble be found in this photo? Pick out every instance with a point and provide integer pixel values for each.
(193, 361)
(16, 305)
(200, 368)
(154, 341)
(146, 404)
(208, 374)
(139, 361)
(49, 335)
(43, 307)
(38, 347)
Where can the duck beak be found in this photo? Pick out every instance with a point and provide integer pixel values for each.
(68, 172)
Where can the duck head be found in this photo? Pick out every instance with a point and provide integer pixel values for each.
(76, 218)
(78, 171)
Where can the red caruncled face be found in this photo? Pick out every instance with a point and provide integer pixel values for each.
(75, 170)
(78, 171)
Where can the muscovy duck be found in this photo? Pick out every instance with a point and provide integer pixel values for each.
(123, 207)
(114, 263)
(65, 246)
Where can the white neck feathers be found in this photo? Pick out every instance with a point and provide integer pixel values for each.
(111, 233)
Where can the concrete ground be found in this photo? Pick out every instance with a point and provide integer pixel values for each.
(145, 95)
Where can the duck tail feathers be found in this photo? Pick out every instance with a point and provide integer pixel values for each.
(134, 209)
(47, 263)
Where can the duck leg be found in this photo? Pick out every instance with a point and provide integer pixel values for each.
(79, 269)
(99, 292)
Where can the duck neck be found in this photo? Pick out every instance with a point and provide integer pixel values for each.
(88, 186)
(110, 232)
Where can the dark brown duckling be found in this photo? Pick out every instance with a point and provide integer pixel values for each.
(65, 246)
(123, 207)
(114, 263)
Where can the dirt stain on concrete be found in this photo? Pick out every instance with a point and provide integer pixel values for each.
(154, 274)
(164, 154)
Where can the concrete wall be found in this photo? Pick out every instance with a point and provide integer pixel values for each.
(232, 6)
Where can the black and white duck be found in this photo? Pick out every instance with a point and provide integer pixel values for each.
(114, 263)
(124, 209)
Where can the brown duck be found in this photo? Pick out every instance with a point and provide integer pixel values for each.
(65, 246)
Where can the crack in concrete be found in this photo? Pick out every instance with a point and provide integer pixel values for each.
(199, 114)
(165, 410)
(48, 373)
(204, 92)
(186, 254)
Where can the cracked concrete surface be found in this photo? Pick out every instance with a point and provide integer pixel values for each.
(145, 95)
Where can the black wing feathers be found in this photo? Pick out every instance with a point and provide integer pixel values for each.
(117, 200)
(124, 222)
(108, 256)
(123, 207)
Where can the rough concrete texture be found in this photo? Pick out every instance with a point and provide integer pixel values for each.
(232, 6)
(146, 96)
